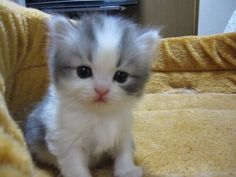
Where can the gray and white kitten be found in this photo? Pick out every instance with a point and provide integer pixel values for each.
(98, 68)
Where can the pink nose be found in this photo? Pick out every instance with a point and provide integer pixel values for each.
(101, 91)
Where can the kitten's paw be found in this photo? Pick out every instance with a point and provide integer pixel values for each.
(134, 172)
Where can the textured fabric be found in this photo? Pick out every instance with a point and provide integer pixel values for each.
(189, 133)
(21, 47)
(202, 82)
(207, 64)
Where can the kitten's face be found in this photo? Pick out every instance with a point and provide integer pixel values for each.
(101, 61)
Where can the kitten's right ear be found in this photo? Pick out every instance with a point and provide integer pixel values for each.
(59, 25)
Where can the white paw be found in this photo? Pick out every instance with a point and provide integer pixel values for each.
(134, 172)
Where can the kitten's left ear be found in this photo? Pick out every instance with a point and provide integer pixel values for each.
(149, 40)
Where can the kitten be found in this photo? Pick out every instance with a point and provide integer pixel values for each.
(98, 68)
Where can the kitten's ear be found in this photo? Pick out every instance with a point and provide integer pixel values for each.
(148, 40)
(61, 28)
(59, 24)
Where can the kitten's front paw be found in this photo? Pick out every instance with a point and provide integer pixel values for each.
(134, 172)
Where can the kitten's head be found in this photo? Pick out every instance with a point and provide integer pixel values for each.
(100, 60)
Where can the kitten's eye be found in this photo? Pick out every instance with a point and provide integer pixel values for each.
(120, 76)
(84, 72)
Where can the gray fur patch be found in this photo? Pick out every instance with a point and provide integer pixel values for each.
(132, 58)
(35, 129)
(81, 42)
(35, 132)
(136, 85)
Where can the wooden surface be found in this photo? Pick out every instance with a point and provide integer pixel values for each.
(175, 17)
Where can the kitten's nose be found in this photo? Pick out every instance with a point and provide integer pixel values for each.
(101, 91)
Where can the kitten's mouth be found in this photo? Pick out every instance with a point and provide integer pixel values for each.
(100, 100)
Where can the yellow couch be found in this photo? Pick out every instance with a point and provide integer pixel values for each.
(185, 125)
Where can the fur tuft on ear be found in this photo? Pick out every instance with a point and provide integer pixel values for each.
(149, 39)
(62, 29)
(148, 42)
(59, 25)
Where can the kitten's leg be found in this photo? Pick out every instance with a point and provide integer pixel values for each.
(124, 165)
(74, 163)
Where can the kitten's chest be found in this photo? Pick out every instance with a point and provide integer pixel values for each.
(104, 136)
(95, 134)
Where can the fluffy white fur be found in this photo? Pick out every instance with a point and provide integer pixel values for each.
(77, 138)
